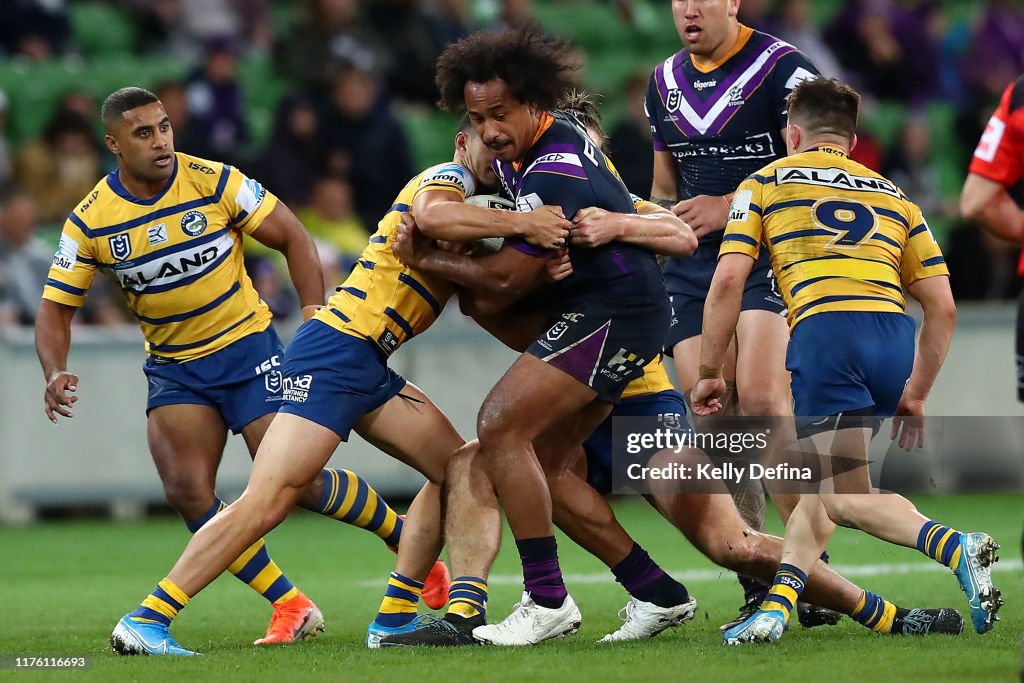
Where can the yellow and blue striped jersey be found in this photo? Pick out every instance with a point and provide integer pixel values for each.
(841, 237)
(384, 300)
(654, 381)
(177, 256)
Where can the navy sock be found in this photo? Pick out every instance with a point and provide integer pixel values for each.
(645, 580)
(542, 576)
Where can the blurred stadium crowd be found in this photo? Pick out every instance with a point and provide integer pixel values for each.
(329, 103)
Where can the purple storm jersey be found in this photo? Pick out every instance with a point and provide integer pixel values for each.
(724, 124)
(564, 168)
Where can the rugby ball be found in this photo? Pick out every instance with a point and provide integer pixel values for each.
(491, 201)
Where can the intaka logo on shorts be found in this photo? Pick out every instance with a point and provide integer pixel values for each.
(296, 389)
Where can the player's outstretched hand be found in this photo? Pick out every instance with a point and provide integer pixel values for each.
(410, 245)
(56, 400)
(706, 395)
(704, 213)
(908, 424)
(592, 227)
(546, 227)
(559, 266)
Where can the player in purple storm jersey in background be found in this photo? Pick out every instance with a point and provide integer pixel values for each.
(717, 109)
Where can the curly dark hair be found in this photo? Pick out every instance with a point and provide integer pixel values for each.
(537, 68)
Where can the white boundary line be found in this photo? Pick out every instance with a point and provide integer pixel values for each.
(707, 575)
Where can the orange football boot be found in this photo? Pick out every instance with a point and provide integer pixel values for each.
(293, 620)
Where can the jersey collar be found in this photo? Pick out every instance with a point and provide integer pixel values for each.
(741, 41)
(546, 120)
(829, 149)
(114, 181)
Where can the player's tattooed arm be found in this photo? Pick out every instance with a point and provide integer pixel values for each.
(652, 227)
(53, 340)
(442, 215)
(282, 231)
(664, 190)
(508, 272)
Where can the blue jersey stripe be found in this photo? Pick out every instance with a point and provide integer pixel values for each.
(354, 291)
(889, 285)
(895, 215)
(808, 283)
(341, 315)
(166, 251)
(832, 299)
(195, 312)
(882, 238)
(161, 213)
(80, 224)
(813, 232)
(763, 179)
(933, 261)
(837, 256)
(379, 239)
(400, 321)
(736, 237)
(779, 206)
(880, 283)
(369, 265)
(57, 284)
(756, 209)
(918, 230)
(242, 215)
(420, 289)
(170, 348)
(157, 289)
(398, 206)
(86, 260)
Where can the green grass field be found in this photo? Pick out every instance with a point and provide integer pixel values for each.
(64, 585)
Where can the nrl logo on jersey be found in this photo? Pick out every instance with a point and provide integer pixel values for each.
(194, 223)
(120, 246)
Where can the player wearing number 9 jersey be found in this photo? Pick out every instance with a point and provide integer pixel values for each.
(845, 243)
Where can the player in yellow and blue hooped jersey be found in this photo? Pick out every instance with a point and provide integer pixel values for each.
(334, 379)
(846, 245)
(169, 227)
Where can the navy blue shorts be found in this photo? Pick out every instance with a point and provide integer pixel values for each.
(689, 280)
(333, 378)
(242, 381)
(669, 405)
(604, 344)
(850, 362)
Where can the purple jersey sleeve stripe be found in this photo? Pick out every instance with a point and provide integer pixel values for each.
(560, 168)
(530, 250)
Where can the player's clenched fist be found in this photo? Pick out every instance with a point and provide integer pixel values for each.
(409, 243)
(56, 399)
(593, 227)
(703, 213)
(546, 227)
